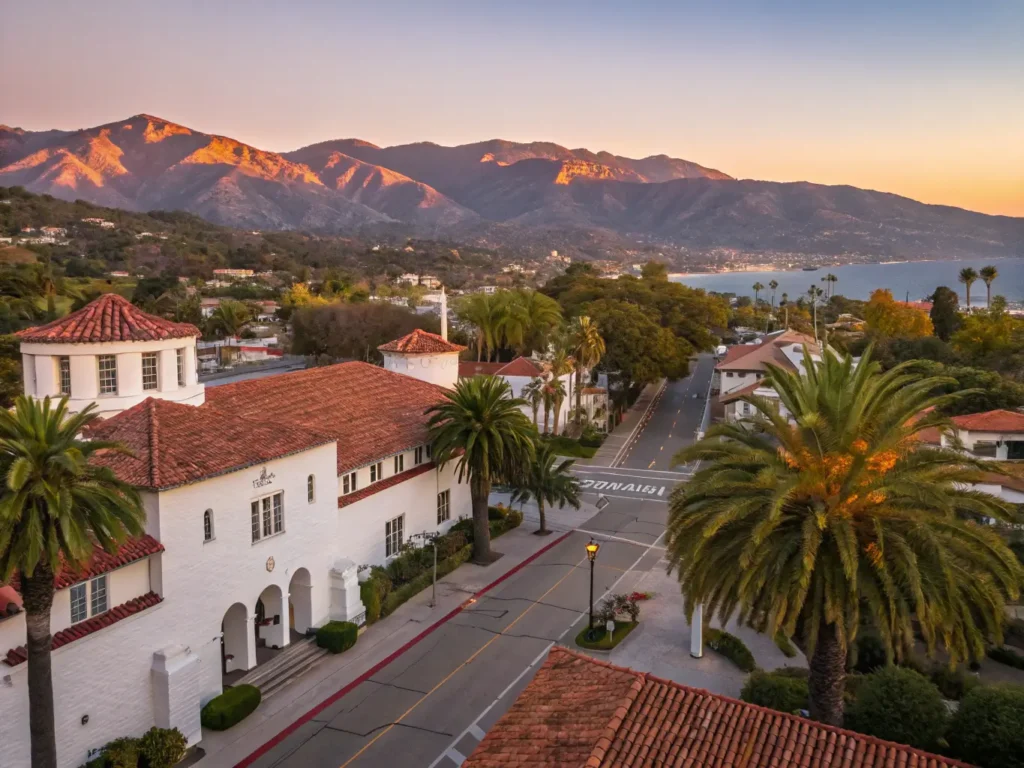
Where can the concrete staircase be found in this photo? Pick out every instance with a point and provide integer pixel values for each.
(289, 664)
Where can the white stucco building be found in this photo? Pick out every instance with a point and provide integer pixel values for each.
(519, 373)
(262, 497)
(740, 372)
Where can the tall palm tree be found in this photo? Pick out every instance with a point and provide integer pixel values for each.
(814, 293)
(758, 287)
(554, 396)
(55, 507)
(587, 349)
(832, 279)
(527, 319)
(785, 303)
(549, 482)
(837, 517)
(229, 318)
(988, 275)
(533, 393)
(828, 280)
(561, 364)
(773, 284)
(967, 277)
(481, 427)
(483, 311)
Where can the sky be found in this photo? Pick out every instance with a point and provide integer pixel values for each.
(920, 98)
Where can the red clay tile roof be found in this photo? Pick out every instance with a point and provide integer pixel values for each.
(381, 485)
(420, 342)
(521, 366)
(469, 369)
(175, 444)
(1006, 481)
(371, 412)
(991, 421)
(736, 394)
(110, 318)
(16, 656)
(752, 357)
(132, 549)
(578, 711)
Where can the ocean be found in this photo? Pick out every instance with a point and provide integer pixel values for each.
(857, 281)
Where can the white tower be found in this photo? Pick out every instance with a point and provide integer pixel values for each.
(425, 356)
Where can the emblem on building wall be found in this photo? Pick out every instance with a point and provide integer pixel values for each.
(265, 479)
(270, 563)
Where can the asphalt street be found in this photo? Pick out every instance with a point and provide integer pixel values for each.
(432, 705)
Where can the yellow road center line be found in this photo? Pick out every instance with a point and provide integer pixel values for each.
(463, 664)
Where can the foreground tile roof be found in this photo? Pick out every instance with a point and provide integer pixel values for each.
(16, 656)
(999, 420)
(109, 318)
(175, 444)
(752, 357)
(371, 412)
(585, 713)
(420, 342)
(382, 485)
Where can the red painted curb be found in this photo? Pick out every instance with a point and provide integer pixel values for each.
(262, 750)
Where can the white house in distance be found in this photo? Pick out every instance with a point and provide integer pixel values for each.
(519, 373)
(262, 498)
(744, 365)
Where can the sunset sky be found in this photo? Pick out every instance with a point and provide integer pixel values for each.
(925, 99)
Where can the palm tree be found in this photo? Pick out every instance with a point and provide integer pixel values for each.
(481, 427)
(549, 482)
(55, 508)
(814, 293)
(229, 318)
(758, 287)
(837, 517)
(527, 318)
(967, 277)
(785, 303)
(773, 284)
(832, 279)
(483, 311)
(587, 349)
(533, 393)
(988, 275)
(828, 280)
(554, 397)
(561, 364)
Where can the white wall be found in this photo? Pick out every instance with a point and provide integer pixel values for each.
(441, 369)
(970, 437)
(737, 380)
(518, 383)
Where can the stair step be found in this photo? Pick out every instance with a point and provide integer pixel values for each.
(260, 676)
(299, 657)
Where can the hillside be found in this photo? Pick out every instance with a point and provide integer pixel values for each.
(494, 193)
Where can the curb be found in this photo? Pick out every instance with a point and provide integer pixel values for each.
(305, 718)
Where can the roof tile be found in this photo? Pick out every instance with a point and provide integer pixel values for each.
(999, 420)
(421, 342)
(109, 318)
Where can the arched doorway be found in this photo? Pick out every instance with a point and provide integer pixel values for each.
(300, 602)
(271, 620)
(237, 644)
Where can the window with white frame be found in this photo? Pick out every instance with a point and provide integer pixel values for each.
(348, 482)
(64, 374)
(746, 409)
(417, 456)
(376, 472)
(267, 515)
(444, 508)
(394, 536)
(310, 489)
(208, 525)
(428, 451)
(150, 363)
(108, 374)
(181, 367)
(89, 598)
(399, 463)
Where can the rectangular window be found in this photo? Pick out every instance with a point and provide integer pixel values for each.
(278, 512)
(255, 522)
(79, 604)
(376, 472)
(348, 483)
(208, 525)
(418, 456)
(150, 380)
(428, 451)
(444, 511)
(729, 374)
(98, 599)
(108, 374)
(64, 370)
(399, 463)
(268, 526)
(310, 489)
(181, 367)
(267, 516)
(394, 536)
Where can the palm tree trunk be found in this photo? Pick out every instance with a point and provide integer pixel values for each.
(828, 676)
(480, 491)
(547, 411)
(535, 410)
(37, 592)
(579, 397)
(988, 295)
(479, 346)
(543, 520)
(558, 411)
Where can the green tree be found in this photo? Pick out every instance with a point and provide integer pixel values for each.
(988, 275)
(945, 312)
(758, 287)
(587, 349)
(480, 426)
(228, 319)
(533, 393)
(561, 364)
(484, 312)
(549, 482)
(526, 319)
(887, 317)
(56, 506)
(836, 516)
(636, 345)
(988, 727)
(968, 276)
(901, 705)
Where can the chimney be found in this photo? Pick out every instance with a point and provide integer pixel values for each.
(444, 314)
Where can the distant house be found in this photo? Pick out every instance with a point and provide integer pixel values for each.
(53, 231)
(119, 273)
(408, 279)
(519, 373)
(430, 281)
(235, 273)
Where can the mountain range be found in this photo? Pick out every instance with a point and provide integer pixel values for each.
(489, 190)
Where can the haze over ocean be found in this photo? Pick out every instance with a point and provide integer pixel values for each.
(857, 281)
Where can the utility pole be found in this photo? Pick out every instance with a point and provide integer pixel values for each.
(431, 539)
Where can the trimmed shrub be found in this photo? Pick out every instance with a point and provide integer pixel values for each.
(448, 545)
(337, 636)
(781, 692)
(899, 705)
(370, 595)
(870, 653)
(730, 646)
(1006, 656)
(122, 753)
(398, 596)
(162, 747)
(230, 708)
(988, 728)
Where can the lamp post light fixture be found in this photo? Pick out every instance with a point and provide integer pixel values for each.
(592, 548)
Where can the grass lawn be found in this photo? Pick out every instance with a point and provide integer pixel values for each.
(606, 642)
(566, 446)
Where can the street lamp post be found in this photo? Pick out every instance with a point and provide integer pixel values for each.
(592, 548)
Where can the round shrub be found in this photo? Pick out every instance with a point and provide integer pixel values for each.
(122, 753)
(899, 705)
(730, 646)
(162, 748)
(337, 636)
(230, 708)
(952, 683)
(988, 729)
(781, 692)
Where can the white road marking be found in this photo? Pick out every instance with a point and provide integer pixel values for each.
(642, 423)
(594, 469)
(599, 535)
(455, 755)
(628, 498)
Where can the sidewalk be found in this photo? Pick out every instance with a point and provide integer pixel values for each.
(618, 438)
(377, 646)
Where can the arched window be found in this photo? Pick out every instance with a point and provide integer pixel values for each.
(311, 489)
(208, 525)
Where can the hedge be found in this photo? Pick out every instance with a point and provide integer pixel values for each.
(158, 748)
(230, 708)
(900, 705)
(731, 647)
(988, 728)
(1006, 656)
(337, 636)
(781, 692)
(421, 582)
